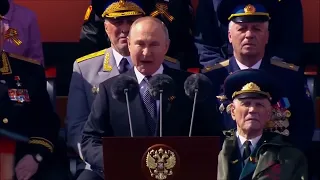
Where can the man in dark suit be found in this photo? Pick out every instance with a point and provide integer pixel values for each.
(286, 31)
(26, 111)
(176, 14)
(248, 33)
(248, 152)
(148, 43)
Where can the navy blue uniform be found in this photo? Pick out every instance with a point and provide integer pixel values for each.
(286, 32)
(291, 82)
(26, 110)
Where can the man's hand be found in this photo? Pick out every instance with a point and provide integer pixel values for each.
(26, 167)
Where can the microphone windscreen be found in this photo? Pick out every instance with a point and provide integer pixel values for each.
(200, 82)
(161, 82)
(124, 83)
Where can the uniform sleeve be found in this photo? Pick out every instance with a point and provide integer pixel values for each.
(208, 34)
(35, 50)
(94, 129)
(47, 123)
(78, 109)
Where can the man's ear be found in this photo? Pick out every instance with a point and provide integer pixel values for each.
(232, 111)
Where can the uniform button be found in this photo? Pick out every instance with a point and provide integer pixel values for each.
(5, 120)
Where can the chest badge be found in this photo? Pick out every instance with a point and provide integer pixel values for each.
(95, 90)
(18, 83)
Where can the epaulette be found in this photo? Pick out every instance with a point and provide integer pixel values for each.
(170, 59)
(19, 57)
(90, 56)
(279, 62)
(217, 66)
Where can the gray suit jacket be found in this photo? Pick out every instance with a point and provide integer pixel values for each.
(88, 72)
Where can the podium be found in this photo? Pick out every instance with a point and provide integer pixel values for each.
(161, 158)
(7, 152)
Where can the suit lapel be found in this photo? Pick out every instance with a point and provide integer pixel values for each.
(138, 115)
(109, 67)
(166, 106)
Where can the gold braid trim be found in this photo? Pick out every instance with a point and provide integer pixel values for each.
(42, 141)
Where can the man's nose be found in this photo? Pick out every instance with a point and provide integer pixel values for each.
(146, 51)
(249, 34)
(125, 27)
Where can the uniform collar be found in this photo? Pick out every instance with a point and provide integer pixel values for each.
(118, 57)
(242, 66)
(242, 139)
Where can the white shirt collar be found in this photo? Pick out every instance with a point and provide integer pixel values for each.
(242, 139)
(242, 66)
(117, 56)
(140, 76)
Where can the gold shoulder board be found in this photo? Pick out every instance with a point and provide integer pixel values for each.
(170, 59)
(217, 66)
(90, 56)
(19, 57)
(280, 63)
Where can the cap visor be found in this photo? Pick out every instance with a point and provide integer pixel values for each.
(250, 19)
(251, 95)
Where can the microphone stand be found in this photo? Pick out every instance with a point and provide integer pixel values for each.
(128, 109)
(193, 111)
(160, 121)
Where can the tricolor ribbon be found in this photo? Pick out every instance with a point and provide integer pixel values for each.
(162, 8)
(12, 34)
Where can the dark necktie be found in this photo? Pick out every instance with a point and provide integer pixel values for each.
(150, 104)
(123, 66)
(247, 150)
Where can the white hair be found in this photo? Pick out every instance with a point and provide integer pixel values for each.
(231, 23)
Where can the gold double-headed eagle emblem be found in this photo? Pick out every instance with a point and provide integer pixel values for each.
(161, 162)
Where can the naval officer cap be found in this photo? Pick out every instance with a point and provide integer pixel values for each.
(251, 83)
(122, 8)
(244, 11)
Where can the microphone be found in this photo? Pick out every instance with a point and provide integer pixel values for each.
(14, 136)
(197, 87)
(161, 85)
(125, 89)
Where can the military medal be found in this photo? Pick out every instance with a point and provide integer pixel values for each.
(19, 95)
(95, 89)
(17, 78)
(12, 34)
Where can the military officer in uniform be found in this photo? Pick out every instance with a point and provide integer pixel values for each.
(248, 152)
(286, 31)
(248, 33)
(90, 70)
(176, 14)
(26, 111)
